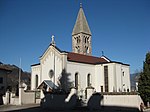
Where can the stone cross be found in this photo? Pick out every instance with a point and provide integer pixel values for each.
(53, 42)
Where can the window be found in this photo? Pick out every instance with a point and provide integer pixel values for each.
(76, 80)
(88, 80)
(86, 49)
(78, 40)
(101, 88)
(106, 78)
(1, 80)
(36, 81)
(123, 73)
(77, 49)
(51, 73)
(85, 40)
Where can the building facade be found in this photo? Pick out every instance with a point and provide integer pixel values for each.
(83, 69)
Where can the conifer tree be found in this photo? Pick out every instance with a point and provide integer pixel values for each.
(144, 80)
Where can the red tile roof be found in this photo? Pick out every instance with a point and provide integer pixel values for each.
(75, 57)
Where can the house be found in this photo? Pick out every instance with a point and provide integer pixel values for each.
(3, 79)
(81, 68)
(9, 76)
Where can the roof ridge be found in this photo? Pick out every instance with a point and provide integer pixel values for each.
(84, 55)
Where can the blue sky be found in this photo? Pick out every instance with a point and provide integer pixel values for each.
(120, 28)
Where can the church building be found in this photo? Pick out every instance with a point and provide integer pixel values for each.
(83, 69)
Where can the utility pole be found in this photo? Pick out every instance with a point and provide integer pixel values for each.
(20, 88)
(20, 73)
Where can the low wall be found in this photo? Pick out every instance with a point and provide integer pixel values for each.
(10, 98)
(4, 100)
(38, 101)
(28, 97)
(25, 97)
(132, 101)
(14, 101)
(119, 102)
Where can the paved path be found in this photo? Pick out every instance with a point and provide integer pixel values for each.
(8, 108)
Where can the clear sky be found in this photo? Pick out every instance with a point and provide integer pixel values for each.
(120, 28)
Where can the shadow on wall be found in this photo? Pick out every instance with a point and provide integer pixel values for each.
(96, 100)
(64, 82)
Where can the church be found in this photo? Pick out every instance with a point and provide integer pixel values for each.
(82, 69)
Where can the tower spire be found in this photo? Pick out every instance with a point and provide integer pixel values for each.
(81, 34)
(81, 24)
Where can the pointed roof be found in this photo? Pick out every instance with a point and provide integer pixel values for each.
(81, 24)
(49, 83)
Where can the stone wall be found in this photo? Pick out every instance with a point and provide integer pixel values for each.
(120, 102)
(25, 97)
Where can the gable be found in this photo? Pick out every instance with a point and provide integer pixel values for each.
(50, 49)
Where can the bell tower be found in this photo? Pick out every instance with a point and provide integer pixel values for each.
(81, 35)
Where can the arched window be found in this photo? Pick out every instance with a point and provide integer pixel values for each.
(76, 80)
(51, 74)
(85, 39)
(77, 50)
(86, 49)
(89, 80)
(78, 40)
(36, 81)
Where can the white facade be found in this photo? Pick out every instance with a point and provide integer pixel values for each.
(56, 60)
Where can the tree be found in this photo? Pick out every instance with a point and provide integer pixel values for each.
(144, 80)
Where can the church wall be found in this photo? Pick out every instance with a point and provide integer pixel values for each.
(100, 79)
(119, 77)
(35, 70)
(110, 77)
(122, 77)
(115, 79)
(83, 70)
(126, 77)
(116, 82)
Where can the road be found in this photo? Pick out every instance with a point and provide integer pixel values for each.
(37, 108)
